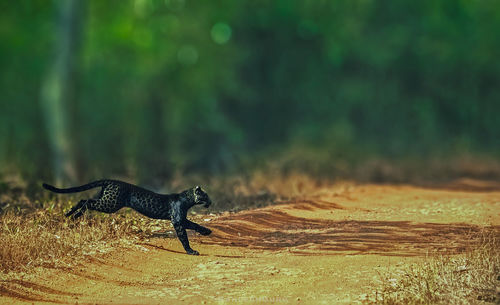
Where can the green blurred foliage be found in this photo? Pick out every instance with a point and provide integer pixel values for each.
(179, 85)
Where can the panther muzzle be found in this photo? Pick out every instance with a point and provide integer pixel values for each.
(207, 203)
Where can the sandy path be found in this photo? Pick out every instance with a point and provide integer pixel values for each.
(324, 249)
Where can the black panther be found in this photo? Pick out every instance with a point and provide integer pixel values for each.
(115, 195)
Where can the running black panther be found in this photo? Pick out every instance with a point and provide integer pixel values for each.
(115, 195)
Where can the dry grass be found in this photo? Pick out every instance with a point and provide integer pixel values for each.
(262, 188)
(469, 278)
(46, 237)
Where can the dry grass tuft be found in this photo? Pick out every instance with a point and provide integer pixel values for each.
(473, 277)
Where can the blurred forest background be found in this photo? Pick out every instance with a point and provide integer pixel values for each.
(153, 89)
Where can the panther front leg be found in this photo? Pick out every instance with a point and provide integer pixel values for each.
(178, 217)
(194, 226)
(182, 235)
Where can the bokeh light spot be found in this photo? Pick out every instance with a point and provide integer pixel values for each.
(221, 33)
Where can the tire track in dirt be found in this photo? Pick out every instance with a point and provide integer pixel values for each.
(273, 229)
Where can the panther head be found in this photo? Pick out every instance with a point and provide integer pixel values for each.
(200, 197)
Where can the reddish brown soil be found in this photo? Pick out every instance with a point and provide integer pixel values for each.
(327, 248)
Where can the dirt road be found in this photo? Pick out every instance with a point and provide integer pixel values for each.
(327, 248)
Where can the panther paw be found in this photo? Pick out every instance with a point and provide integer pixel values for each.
(205, 232)
(192, 252)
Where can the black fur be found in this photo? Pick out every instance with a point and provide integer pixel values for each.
(115, 195)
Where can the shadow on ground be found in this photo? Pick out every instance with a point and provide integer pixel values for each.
(276, 230)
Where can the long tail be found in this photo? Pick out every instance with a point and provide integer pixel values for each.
(75, 189)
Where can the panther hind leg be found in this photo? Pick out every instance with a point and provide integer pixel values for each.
(80, 212)
(80, 208)
(76, 207)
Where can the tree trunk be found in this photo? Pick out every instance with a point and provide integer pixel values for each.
(58, 90)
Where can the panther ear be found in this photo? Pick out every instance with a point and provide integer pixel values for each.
(197, 189)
